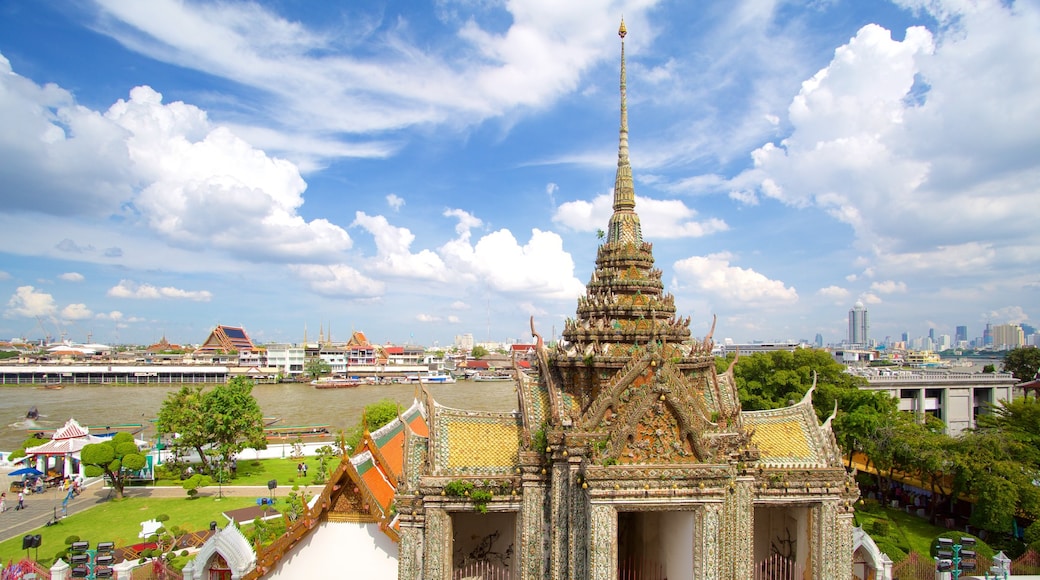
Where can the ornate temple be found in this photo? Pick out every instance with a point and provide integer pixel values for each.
(628, 457)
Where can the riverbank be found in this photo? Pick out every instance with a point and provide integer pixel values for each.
(290, 403)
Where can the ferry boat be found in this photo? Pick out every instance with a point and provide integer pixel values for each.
(431, 377)
(489, 377)
(294, 431)
(334, 383)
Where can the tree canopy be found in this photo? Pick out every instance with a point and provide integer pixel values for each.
(116, 459)
(317, 367)
(375, 416)
(226, 420)
(1023, 362)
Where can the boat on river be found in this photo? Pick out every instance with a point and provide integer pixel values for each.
(334, 383)
(490, 377)
(305, 432)
(431, 378)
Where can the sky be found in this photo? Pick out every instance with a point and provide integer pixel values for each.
(423, 170)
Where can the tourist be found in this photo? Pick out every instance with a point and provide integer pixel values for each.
(3, 502)
(21, 500)
(234, 466)
(299, 469)
(304, 469)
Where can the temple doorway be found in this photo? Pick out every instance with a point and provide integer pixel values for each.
(656, 545)
(483, 545)
(782, 544)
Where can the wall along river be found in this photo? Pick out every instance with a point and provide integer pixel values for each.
(292, 403)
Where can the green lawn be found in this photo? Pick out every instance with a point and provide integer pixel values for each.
(260, 471)
(906, 532)
(120, 522)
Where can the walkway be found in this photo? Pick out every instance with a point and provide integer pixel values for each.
(41, 508)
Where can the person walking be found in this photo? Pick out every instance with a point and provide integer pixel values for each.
(3, 502)
(21, 500)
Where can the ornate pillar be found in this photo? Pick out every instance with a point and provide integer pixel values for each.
(535, 531)
(708, 564)
(831, 536)
(602, 542)
(737, 530)
(559, 530)
(410, 552)
(437, 545)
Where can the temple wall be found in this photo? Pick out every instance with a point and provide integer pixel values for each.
(534, 533)
(437, 552)
(341, 550)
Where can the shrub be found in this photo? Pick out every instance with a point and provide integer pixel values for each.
(889, 548)
(879, 528)
(868, 505)
(1031, 534)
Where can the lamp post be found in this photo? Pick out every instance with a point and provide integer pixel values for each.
(955, 558)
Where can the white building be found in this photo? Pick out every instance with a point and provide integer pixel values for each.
(956, 398)
(859, 325)
(287, 358)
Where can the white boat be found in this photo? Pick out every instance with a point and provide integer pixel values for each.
(488, 377)
(432, 377)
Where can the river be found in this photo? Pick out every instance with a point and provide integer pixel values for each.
(292, 404)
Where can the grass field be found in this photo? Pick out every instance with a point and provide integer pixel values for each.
(260, 471)
(120, 522)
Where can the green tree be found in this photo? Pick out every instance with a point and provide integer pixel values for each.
(1023, 362)
(226, 419)
(478, 352)
(30, 442)
(233, 418)
(116, 459)
(325, 455)
(375, 416)
(181, 416)
(317, 367)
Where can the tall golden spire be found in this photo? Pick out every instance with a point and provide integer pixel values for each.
(624, 224)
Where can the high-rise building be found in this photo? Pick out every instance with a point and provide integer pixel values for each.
(859, 325)
(987, 335)
(962, 333)
(1007, 336)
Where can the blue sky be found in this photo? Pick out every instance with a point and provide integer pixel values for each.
(420, 170)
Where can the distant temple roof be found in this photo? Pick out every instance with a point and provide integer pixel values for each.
(227, 339)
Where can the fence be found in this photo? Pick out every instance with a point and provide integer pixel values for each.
(637, 568)
(481, 570)
(777, 567)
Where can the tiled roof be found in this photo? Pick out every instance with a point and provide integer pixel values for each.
(475, 443)
(375, 480)
(791, 436)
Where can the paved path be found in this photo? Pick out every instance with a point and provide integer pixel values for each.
(41, 508)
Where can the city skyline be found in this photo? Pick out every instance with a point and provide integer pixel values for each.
(420, 171)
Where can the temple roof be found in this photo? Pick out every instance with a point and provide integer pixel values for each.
(791, 436)
(474, 442)
(227, 339)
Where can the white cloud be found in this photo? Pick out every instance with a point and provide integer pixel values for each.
(28, 302)
(931, 126)
(1007, 315)
(459, 305)
(76, 312)
(713, 274)
(870, 298)
(467, 221)
(338, 280)
(131, 289)
(427, 318)
(540, 267)
(393, 256)
(72, 277)
(113, 315)
(665, 218)
(161, 166)
(835, 293)
(311, 84)
(4, 275)
(395, 202)
(888, 287)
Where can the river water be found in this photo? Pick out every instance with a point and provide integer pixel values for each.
(292, 403)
